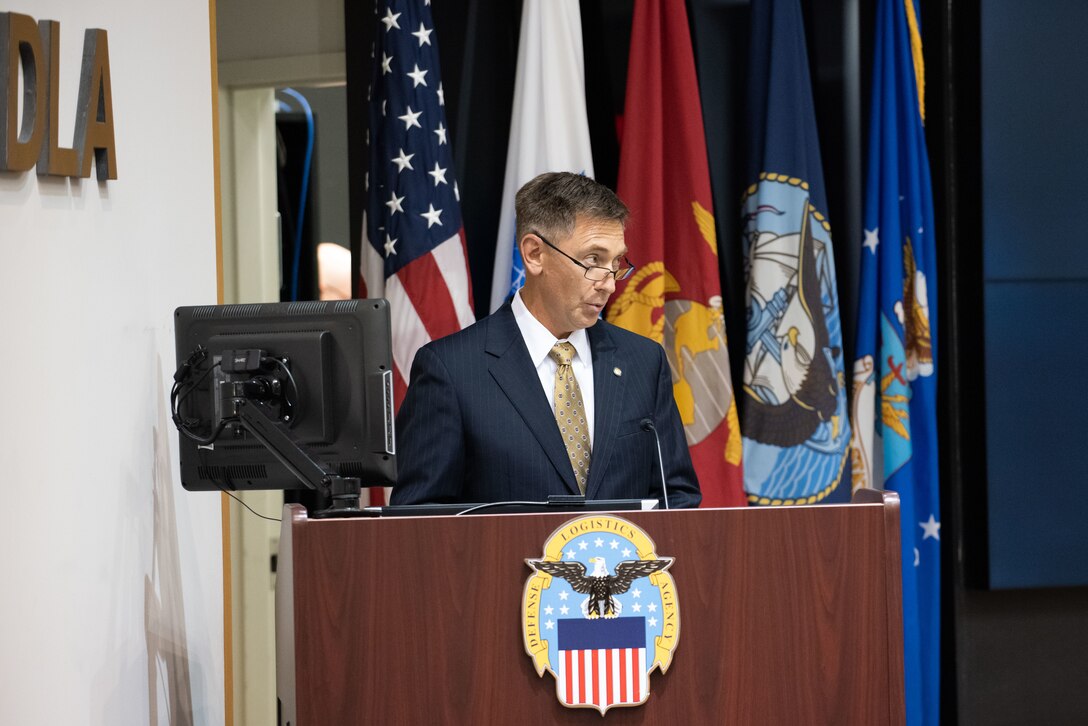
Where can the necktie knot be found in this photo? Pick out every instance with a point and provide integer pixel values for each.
(562, 353)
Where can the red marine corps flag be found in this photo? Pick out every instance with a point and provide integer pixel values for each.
(675, 295)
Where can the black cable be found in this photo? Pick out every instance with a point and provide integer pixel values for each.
(177, 396)
(489, 505)
(204, 440)
(293, 403)
(204, 462)
(229, 494)
(192, 387)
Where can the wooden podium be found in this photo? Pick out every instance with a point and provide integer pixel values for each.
(788, 616)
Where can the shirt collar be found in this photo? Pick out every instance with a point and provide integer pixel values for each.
(539, 339)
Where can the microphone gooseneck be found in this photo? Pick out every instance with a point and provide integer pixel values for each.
(647, 424)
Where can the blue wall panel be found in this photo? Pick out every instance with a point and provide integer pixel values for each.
(1037, 428)
(1035, 139)
(1035, 261)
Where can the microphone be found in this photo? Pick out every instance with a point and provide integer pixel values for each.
(647, 424)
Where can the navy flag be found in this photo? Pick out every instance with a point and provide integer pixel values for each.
(793, 409)
(894, 400)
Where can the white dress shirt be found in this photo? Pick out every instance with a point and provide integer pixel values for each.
(539, 341)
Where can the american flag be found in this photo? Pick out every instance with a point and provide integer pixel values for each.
(413, 250)
(602, 663)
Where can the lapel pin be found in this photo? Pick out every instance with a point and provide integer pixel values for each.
(617, 371)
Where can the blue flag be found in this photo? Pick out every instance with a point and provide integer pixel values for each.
(793, 410)
(895, 387)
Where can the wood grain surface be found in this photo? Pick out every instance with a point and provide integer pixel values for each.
(788, 616)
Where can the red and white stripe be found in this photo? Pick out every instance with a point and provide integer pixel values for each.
(603, 678)
(429, 298)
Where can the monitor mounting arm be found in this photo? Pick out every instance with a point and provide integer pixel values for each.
(285, 446)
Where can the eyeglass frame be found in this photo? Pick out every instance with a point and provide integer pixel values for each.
(614, 274)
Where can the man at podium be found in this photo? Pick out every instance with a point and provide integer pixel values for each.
(543, 397)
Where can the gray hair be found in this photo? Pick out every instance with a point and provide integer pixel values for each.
(552, 202)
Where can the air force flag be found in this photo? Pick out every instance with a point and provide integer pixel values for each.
(895, 387)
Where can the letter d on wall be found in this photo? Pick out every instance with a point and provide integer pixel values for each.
(20, 142)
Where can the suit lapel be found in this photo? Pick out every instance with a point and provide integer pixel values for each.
(607, 399)
(515, 374)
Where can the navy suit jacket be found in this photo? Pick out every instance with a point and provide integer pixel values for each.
(476, 426)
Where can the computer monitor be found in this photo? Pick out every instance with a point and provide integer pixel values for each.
(267, 396)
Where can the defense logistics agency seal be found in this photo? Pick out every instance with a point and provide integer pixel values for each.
(600, 613)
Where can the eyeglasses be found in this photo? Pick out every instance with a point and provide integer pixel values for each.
(594, 274)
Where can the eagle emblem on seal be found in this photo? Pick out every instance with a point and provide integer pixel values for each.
(600, 632)
(600, 586)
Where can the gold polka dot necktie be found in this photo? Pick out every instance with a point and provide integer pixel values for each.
(570, 413)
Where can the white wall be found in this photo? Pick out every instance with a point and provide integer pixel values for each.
(111, 595)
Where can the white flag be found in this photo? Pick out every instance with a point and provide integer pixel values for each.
(549, 130)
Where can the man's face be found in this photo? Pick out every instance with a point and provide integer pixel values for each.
(560, 296)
